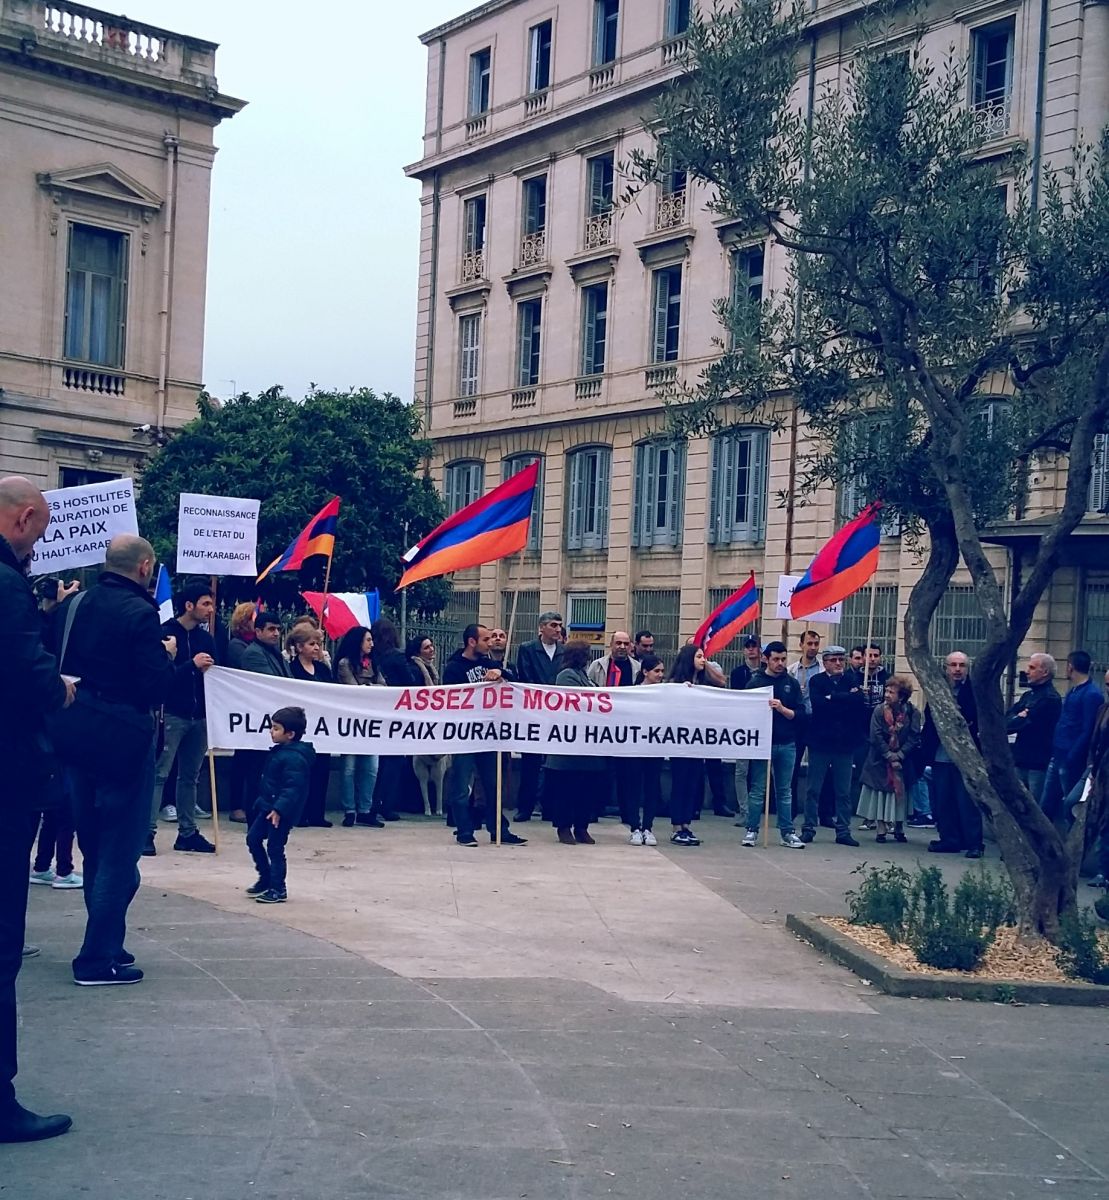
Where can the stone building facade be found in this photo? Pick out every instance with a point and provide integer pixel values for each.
(106, 153)
(552, 320)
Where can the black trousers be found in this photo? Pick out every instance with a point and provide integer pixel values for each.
(315, 808)
(55, 840)
(267, 847)
(645, 781)
(530, 796)
(391, 770)
(246, 776)
(572, 797)
(687, 788)
(17, 832)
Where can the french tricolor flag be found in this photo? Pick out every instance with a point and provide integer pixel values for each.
(343, 611)
(163, 595)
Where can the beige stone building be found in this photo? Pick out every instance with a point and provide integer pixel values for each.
(106, 153)
(552, 319)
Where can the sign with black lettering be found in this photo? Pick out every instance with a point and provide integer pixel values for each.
(216, 535)
(665, 720)
(83, 520)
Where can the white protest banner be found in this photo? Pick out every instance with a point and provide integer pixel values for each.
(655, 721)
(786, 586)
(216, 535)
(83, 520)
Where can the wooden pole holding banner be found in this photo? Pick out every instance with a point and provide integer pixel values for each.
(215, 798)
(507, 648)
(766, 805)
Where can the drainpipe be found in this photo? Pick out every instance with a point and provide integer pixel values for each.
(170, 143)
(433, 280)
(1038, 125)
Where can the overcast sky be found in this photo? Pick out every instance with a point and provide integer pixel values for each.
(314, 229)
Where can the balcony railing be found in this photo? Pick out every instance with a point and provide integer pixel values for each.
(87, 379)
(671, 210)
(81, 25)
(660, 376)
(466, 407)
(598, 231)
(588, 388)
(533, 248)
(674, 51)
(473, 266)
(991, 120)
(524, 397)
(535, 104)
(476, 126)
(602, 77)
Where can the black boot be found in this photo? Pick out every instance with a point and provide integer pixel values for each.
(17, 1124)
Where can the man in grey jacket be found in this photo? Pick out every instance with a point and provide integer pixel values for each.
(263, 656)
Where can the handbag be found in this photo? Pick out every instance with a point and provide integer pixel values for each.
(100, 737)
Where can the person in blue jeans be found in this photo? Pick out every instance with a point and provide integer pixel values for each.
(788, 706)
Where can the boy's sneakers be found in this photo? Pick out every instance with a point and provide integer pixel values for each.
(649, 838)
(196, 842)
(792, 842)
(116, 974)
(272, 896)
(72, 880)
(636, 839)
(256, 889)
(46, 877)
(751, 838)
(169, 812)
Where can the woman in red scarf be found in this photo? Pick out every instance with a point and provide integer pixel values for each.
(890, 770)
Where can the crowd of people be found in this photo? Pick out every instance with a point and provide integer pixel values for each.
(109, 705)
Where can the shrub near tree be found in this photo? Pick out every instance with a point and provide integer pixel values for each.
(935, 340)
(293, 456)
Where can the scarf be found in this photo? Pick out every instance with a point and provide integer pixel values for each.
(896, 719)
(613, 678)
(427, 671)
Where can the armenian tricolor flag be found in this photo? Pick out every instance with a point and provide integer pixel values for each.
(727, 619)
(317, 537)
(842, 566)
(490, 528)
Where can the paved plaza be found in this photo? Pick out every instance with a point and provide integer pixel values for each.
(428, 1021)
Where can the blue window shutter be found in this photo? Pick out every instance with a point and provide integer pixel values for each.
(604, 459)
(638, 506)
(574, 503)
(661, 314)
(760, 479)
(676, 505)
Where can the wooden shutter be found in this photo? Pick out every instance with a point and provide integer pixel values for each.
(675, 501)
(759, 481)
(574, 502)
(604, 462)
(639, 506)
(661, 314)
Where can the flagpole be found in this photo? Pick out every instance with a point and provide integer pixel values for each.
(869, 635)
(766, 805)
(507, 647)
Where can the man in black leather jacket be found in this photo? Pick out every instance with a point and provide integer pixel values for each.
(30, 689)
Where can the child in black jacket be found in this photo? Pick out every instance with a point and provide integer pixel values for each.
(281, 798)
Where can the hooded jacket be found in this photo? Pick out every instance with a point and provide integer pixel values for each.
(460, 669)
(186, 696)
(285, 780)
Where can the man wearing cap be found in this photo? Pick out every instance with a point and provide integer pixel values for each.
(740, 678)
(837, 727)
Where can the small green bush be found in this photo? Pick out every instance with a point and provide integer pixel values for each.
(949, 932)
(882, 899)
(1079, 953)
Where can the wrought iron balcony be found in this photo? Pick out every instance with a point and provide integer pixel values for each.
(473, 266)
(598, 230)
(670, 213)
(533, 248)
(991, 120)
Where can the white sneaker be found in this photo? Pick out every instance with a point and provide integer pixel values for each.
(169, 812)
(792, 842)
(751, 838)
(72, 880)
(636, 838)
(649, 838)
(46, 877)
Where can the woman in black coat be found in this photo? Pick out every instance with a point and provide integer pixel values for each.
(307, 646)
(395, 770)
(572, 782)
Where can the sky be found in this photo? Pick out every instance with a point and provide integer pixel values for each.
(312, 261)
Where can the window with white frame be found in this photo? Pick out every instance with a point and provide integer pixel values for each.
(658, 494)
(539, 56)
(677, 17)
(739, 486)
(473, 221)
(513, 465)
(469, 354)
(529, 322)
(1099, 475)
(587, 498)
(666, 314)
(594, 328)
(96, 295)
(481, 75)
(463, 483)
(535, 205)
(601, 170)
(991, 83)
(606, 29)
(748, 266)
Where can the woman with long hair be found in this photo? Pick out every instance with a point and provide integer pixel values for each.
(354, 666)
(421, 654)
(307, 645)
(645, 774)
(889, 773)
(246, 765)
(687, 775)
(395, 770)
(571, 791)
